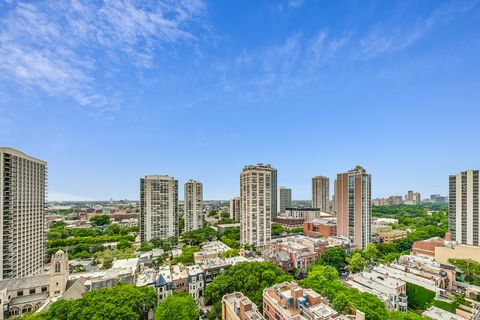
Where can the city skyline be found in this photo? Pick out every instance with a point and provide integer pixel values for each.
(392, 87)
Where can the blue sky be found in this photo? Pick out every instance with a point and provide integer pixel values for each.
(109, 91)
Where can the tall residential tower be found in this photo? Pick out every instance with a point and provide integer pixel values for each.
(258, 186)
(193, 205)
(320, 193)
(354, 206)
(463, 207)
(235, 209)
(158, 207)
(22, 203)
(284, 199)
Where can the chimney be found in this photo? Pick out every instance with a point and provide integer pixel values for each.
(296, 292)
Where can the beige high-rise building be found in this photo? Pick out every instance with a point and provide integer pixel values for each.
(158, 207)
(463, 207)
(320, 193)
(193, 205)
(22, 201)
(354, 206)
(235, 209)
(258, 189)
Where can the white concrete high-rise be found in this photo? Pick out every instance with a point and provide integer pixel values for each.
(235, 209)
(193, 205)
(22, 201)
(158, 207)
(463, 207)
(320, 193)
(284, 199)
(258, 189)
(354, 205)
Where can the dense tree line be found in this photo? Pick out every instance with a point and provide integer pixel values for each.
(86, 242)
(414, 216)
(122, 302)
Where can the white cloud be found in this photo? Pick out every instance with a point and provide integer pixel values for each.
(59, 47)
(275, 69)
(382, 39)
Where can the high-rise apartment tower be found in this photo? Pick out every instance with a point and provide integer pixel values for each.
(258, 186)
(193, 205)
(463, 207)
(22, 203)
(354, 205)
(284, 199)
(320, 193)
(158, 207)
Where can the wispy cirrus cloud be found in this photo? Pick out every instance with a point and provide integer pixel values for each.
(61, 47)
(383, 39)
(275, 69)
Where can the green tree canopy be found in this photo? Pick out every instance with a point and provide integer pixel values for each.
(356, 263)
(100, 220)
(123, 302)
(335, 257)
(250, 278)
(178, 306)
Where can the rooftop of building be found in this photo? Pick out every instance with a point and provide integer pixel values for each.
(435, 313)
(25, 283)
(131, 264)
(20, 154)
(159, 177)
(235, 299)
(312, 303)
(377, 281)
(179, 272)
(194, 270)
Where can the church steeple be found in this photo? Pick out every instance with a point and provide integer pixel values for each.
(59, 273)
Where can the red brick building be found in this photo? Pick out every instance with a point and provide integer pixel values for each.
(320, 227)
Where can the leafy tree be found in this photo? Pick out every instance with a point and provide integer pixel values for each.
(295, 230)
(213, 213)
(146, 247)
(356, 263)
(122, 302)
(199, 236)
(277, 229)
(230, 253)
(187, 256)
(370, 253)
(335, 257)
(123, 244)
(100, 220)
(250, 278)
(231, 237)
(470, 267)
(178, 306)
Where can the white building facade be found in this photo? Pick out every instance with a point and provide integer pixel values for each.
(235, 209)
(193, 205)
(158, 207)
(258, 186)
(463, 207)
